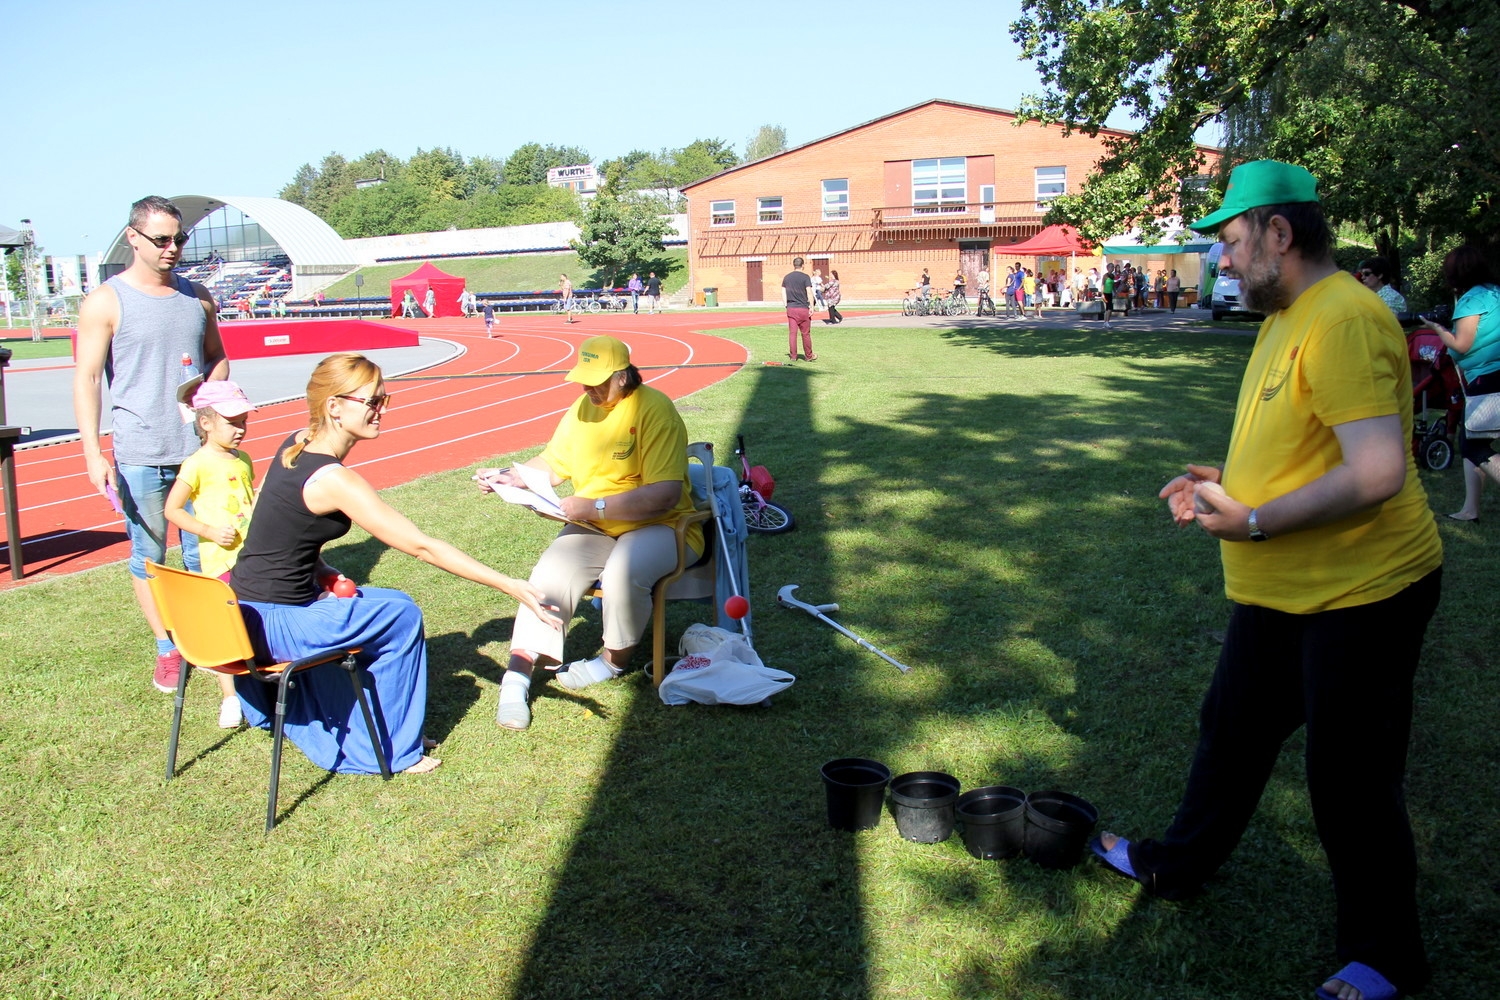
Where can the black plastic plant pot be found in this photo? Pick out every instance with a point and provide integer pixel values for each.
(922, 802)
(856, 792)
(1057, 827)
(994, 821)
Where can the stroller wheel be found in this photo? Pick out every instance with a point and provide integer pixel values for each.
(1437, 453)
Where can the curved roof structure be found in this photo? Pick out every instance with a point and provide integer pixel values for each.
(306, 239)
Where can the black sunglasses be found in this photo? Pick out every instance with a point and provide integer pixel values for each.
(160, 242)
(375, 403)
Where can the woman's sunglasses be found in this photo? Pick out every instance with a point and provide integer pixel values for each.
(376, 403)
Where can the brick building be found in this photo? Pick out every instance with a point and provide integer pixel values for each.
(941, 185)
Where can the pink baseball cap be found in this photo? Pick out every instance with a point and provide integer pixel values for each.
(227, 398)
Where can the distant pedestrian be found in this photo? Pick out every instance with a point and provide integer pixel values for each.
(408, 305)
(817, 280)
(832, 295)
(635, 288)
(796, 294)
(653, 293)
(1174, 289)
(429, 302)
(489, 319)
(565, 295)
(1377, 275)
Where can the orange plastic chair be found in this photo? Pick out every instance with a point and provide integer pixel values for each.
(203, 617)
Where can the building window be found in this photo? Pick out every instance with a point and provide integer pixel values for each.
(721, 213)
(1050, 183)
(836, 199)
(939, 185)
(768, 210)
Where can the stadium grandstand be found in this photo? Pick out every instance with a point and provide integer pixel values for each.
(250, 252)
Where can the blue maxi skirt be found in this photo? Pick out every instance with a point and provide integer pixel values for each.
(323, 718)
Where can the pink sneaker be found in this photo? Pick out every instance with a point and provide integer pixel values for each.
(168, 669)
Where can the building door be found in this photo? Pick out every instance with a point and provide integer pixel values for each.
(973, 257)
(753, 291)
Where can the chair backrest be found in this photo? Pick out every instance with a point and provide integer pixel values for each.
(202, 614)
(703, 499)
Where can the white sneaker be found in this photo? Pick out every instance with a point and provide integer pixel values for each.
(230, 716)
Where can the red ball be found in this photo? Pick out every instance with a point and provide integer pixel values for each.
(343, 587)
(736, 607)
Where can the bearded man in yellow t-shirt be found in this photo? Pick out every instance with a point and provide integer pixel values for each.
(1333, 564)
(624, 446)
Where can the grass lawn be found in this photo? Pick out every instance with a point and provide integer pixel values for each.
(519, 273)
(982, 503)
(23, 348)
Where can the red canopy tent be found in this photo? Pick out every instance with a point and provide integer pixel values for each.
(446, 289)
(1054, 241)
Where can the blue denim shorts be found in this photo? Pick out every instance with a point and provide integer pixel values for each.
(143, 495)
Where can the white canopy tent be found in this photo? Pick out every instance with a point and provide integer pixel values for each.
(1177, 239)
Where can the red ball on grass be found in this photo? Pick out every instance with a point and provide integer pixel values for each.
(736, 607)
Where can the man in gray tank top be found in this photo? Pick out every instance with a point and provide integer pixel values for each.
(145, 330)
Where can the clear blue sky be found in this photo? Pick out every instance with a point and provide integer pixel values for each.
(107, 102)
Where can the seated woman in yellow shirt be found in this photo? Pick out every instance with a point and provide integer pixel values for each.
(624, 447)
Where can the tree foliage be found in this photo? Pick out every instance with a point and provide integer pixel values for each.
(1389, 102)
(768, 140)
(529, 163)
(668, 170)
(436, 189)
(617, 237)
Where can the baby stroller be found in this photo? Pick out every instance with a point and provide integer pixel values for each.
(1437, 399)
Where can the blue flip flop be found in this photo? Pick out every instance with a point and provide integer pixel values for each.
(1365, 979)
(1117, 857)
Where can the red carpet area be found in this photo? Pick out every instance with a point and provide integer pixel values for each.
(434, 424)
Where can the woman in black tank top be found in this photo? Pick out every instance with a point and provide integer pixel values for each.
(309, 498)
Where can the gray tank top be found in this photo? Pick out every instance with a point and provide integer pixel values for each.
(144, 369)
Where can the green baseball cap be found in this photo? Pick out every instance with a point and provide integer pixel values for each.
(1260, 182)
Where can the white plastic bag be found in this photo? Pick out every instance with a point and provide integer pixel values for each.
(726, 673)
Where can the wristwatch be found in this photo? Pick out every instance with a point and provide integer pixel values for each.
(599, 506)
(1256, 535)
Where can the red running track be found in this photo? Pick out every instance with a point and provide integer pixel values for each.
(432, 426)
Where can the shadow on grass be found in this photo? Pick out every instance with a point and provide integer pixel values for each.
(1061, 633)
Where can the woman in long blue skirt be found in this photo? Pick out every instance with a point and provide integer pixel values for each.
(308, 499)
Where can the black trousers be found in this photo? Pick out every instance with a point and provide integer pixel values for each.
(1347, 676)
(833, 315)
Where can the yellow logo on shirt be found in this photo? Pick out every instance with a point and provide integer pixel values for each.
(629, 449)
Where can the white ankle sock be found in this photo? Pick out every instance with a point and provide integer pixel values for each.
(514, 687)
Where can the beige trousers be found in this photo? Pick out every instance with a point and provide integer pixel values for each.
(626, 567)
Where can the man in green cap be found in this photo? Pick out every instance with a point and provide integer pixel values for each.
(1333, 564)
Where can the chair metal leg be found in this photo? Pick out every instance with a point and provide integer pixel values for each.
(364, 706)
(177, 702)
(277, 729)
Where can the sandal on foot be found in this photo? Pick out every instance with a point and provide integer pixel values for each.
(812, 357)
(581, 673)
(514, 715)
(1117, 858)
(423, 765)
(1372, 984)
(791, 357)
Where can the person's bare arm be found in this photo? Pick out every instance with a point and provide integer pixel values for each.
(1461, 337)
(1372, 471)
(215, 362)
(644, 503)
(345, 490)
(176, 512)
(98, 316)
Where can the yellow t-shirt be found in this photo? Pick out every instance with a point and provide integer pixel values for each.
(223, 493)
(639, 441)
(1335, 355)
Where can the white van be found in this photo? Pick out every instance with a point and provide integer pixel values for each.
(1224, 297)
